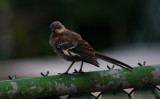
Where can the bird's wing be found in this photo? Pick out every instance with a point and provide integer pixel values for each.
(72, 47)
(85, 51)
(64, 44)
(79, 49)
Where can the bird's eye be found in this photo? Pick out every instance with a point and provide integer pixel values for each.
(58, 27)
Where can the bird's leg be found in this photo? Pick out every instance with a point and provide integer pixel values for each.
(80, 70)
(69, 68)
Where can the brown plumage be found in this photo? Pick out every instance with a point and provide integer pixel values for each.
(70, 46)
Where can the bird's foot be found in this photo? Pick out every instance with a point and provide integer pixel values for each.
(80, 71)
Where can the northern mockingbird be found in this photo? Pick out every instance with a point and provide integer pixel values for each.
(70, 46)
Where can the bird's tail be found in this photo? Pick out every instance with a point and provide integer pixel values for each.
(113, 61)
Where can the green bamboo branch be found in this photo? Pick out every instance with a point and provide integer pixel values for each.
(108, 80)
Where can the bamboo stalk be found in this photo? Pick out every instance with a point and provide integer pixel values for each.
(57, 85)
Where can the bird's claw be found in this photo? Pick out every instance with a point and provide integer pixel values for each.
(80, 71)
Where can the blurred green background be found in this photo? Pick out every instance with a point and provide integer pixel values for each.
(24, 24)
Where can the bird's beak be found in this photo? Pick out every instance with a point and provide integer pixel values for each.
(57, 30)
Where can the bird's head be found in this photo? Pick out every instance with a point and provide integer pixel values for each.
(57, 27)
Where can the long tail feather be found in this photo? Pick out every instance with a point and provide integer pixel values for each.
(113, 61)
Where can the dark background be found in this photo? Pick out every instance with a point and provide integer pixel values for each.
(24, 24)
(114, 27)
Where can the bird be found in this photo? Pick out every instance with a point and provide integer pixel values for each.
(72, 47)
